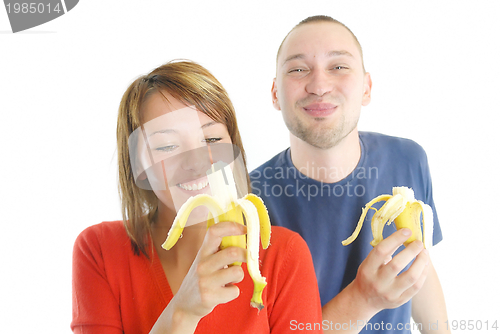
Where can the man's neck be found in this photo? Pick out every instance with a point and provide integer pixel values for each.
(326, 165)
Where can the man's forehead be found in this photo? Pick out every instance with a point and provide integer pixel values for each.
(331, 35)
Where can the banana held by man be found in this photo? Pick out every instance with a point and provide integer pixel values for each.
(404, 210)
(225, 206)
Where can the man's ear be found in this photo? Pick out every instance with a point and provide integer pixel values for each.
(274, 95)
(367, 92)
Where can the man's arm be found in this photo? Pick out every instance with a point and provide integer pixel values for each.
(347, 312)
(377, 285)
(429, 307)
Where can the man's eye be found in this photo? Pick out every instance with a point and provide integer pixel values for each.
(212, 140)
(296, 70)
(167, 148)
(339, 67)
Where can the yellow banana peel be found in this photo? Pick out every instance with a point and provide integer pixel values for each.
(225, 206)
(404, 210)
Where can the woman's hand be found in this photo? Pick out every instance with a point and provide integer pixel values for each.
(209, 282)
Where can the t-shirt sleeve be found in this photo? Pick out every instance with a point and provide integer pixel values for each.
(95, 308)
(429, 199)
(297, 303)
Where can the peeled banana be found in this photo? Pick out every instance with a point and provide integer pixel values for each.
(225, 206)
(402, 209)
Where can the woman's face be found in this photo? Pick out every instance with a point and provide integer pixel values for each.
(177, 140)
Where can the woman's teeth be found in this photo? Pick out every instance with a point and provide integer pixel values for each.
(195, 186)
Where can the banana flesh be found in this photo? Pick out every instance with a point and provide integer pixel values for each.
(225, 206)
(404, 210)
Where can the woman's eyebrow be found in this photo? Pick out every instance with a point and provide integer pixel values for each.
(163, 131)
(169, 131)
(206, 125)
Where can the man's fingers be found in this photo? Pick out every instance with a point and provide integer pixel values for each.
(410, 279)
(415, 288)
(215, 234)
(380, 253)
(401, 260)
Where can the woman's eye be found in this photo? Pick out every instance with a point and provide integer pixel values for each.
(167, 148)
(212, 140)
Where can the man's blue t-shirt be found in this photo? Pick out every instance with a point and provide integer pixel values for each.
(325, 214)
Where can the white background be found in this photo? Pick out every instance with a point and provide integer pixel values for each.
(435, 72)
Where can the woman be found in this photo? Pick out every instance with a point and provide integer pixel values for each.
(124, 282)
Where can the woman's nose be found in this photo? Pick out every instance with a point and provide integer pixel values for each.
(196, 160)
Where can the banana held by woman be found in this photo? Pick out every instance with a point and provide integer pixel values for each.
(224, 205)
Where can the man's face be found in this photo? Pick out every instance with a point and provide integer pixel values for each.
(320, 83)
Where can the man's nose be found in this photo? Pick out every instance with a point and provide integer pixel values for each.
(319, 83)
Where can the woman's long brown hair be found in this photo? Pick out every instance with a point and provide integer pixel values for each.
(188, 82)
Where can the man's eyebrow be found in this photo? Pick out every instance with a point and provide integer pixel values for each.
(339, 53)
(292, 57)
(333, 53)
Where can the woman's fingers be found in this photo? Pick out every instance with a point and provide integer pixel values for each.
(215, 234)
(229, 275)
(212, 276)
(214, 295)
(221, 260)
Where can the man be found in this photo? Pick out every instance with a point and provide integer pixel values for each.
(319, 185)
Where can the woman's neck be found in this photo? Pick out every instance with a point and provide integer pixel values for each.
(185, 250)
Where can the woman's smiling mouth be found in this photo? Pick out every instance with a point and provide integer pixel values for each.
(193, 185)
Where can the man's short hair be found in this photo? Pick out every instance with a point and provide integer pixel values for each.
(321, 18)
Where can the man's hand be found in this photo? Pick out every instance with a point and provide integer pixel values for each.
(377, 281)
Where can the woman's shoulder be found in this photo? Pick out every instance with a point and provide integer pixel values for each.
(286, 261)
(285, 244)
(111, 233)
(282, 236)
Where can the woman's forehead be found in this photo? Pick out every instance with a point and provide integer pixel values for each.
(158, 104)
(183, 121)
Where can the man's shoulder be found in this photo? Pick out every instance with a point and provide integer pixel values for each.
(378, 142)
(278, 160)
